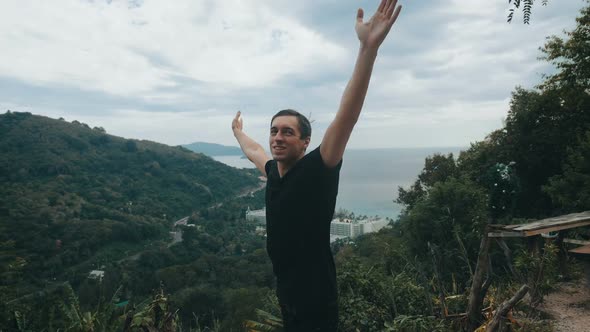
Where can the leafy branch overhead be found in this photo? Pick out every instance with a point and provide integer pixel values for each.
(526, 6)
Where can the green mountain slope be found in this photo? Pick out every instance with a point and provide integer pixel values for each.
(68, 190)
(213, 149)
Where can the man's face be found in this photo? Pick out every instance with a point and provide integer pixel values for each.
(286, 144)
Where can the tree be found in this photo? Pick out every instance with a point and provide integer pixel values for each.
(437, 168)
(570, 191)
(451, 216)
(571, 57)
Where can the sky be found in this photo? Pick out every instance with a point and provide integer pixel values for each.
(176, 72)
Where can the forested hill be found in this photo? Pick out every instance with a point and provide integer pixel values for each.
(212, 149)
(68, 190)
(157, 179)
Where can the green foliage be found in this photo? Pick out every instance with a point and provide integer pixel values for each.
(570, 57)
(405, 323)
(58, 309)
(82, 188)
(363, 302)
(409, 297)
(75, 199)
(369, 298)
(570, 191)
(153, 316)
(540, 271)
(240, 305)
(266, 322)
(437, 168)
(456, 206)
(539, 128)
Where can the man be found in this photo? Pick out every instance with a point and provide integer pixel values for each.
(301, 189)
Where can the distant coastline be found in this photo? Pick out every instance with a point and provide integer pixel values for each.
(214, 149)
(371, 192)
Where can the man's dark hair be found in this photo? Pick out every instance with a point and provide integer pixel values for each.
(304, 125)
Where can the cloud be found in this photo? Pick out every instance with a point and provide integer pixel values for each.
(178, 73)
(474, 59)
(127, 50)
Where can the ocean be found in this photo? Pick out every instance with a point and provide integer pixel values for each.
(369, 179)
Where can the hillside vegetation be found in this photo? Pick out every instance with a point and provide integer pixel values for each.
(74, 198)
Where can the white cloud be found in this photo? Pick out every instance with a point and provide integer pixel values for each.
(460, 81)
(180, 71)
(120, 50)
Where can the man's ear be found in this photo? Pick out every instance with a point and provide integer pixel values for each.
(306, 141)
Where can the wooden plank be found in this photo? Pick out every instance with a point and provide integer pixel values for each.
(511, 226)
(503, 227)
(574, 241)
(568, 221)
(556, 228)
(582, 250)
(498, 226)
(572, 218)
(506, 234)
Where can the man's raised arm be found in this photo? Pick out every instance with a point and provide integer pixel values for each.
(252, 150)
(371, 34)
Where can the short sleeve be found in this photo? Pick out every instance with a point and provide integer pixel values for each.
(316, 157)
(268, 167)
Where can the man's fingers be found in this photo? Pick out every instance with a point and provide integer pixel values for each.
(359, 15)
(390, 7)
(237, 121)
(382, 6)
(395, 15)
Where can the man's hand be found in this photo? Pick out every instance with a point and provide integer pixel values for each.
(251, 149)
(237, 123)
(372, 33)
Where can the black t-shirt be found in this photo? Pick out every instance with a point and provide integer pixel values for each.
(299, 209)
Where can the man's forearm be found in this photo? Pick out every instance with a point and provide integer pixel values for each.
(339, 131)
(248, 145)
(356, 90)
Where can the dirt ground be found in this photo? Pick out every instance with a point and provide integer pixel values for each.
(569, 305)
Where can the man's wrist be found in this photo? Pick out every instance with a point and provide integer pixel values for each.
(368, 50)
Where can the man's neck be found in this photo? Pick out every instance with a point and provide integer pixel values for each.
(285, 166)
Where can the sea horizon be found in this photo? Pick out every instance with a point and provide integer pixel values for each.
(369, 178)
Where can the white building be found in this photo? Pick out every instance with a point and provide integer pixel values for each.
(353, 228)
(256, 216)
(346, 228)
(374, 225)
(181, 222)
(96, 274)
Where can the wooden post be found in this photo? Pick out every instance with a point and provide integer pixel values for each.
(533, 245)
(441, 295)
(562, 254)
(508, 255)
(476, 294)
(500, 315)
